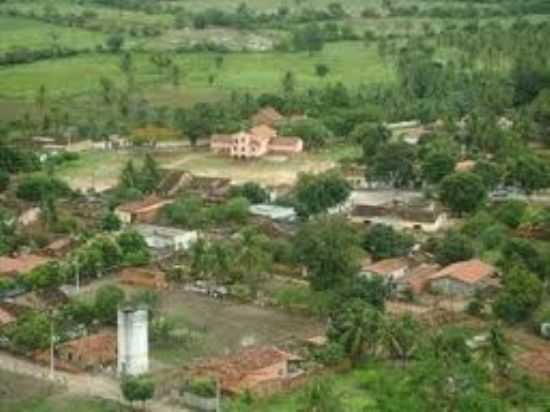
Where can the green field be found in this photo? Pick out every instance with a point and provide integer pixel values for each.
(18, 32)
(73, 84)
(350, 62)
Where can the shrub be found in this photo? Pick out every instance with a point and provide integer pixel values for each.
(203, 387)
(511, 213)
(4, 180)
(32, 188)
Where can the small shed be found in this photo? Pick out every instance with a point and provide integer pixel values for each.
(142, 211)
(167, 238)
(274, 212)
(389, 269)
(89, 352)
(464, 278)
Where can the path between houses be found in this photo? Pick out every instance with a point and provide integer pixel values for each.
(81, 385)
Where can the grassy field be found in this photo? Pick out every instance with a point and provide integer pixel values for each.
(30, 34)
(105, 18)
(19, 393)
(349, 62)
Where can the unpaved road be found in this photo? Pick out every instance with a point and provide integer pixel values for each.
(85, 385)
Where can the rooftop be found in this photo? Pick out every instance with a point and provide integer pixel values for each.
(59, 244)
(234, 368)
(21, 264)
(268, 115)
(273, 211)
(471, 271)
(387, 266)
(151, 202)
(97, 346)
(263, 132)
(418, 278)
(383, 196)
(163, 231)
(285, 141)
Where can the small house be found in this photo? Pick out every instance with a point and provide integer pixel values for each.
(256, 143)
(415, 214)
(167, 238)
(464, 278)
(89, 352)
(41, 299)
(142, 211)
(418, 279)
(389, 269)
(20, 265)
(152, 279)
(58, 248)
(274, 212)
(248, 370)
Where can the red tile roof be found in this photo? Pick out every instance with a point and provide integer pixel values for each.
(471, 271)
(235, 368)
(94, 347)
(142, 277)
(21, 264)
(152, 202)
(420, 276)
(386, 266)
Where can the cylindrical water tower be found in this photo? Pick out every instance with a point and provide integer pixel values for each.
(133, 341)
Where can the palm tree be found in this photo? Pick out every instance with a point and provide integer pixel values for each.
(401, 337)
(357, 327)
(252, 259)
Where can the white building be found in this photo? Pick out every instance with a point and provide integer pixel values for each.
(160, 237)
(133, 341)
(273, 212)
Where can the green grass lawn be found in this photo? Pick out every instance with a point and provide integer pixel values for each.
(18, 32)
(352, 388)
(106, 18)
(349, 62)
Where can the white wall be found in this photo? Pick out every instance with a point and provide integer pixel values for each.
(133, 342)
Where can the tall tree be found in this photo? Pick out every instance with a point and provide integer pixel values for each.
(328, 248)
(357, 326)
(462, 192)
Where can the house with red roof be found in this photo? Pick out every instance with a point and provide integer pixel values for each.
(464, 278)
(256, 143)
(20, 265)
(247, 370)
(141, 211)
(389, 269)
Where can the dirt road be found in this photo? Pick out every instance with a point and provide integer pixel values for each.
(85, 385)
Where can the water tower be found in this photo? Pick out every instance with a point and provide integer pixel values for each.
(133, 341)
